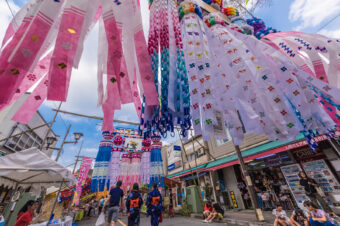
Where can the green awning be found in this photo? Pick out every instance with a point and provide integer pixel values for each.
(186, 171)
(252, 151)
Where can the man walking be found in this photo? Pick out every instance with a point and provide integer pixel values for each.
(112, 204)
(154, 204)
(133, 204)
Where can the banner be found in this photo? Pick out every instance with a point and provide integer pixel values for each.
(83, 172)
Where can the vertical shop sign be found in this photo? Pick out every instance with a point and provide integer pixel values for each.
(222, 185)
(233, 199)
(320, 172)
(290, 173)
(83, 172)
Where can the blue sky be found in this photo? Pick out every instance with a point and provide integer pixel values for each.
(303, 15)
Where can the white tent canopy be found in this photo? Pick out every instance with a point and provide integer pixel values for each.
(32, 167)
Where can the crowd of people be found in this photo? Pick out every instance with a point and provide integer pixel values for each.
(133, 204)
(316, 212)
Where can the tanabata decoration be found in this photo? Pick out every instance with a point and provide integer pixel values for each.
(157, 174)
(260, 29)
(315, 54)
(200, 69)
(165, 38)
(237, 20)
(100, 176)
(217, 4)
(62, 26)
(146, 167)
(271, 93)
(124, 172)
(130, 160)
(114, 167)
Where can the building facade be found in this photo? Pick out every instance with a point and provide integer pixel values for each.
(26, 140)
(273, 167)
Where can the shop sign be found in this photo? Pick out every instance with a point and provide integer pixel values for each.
(174, 157)
(306, 154)
(233, 199)
(304, 143)
(174, 165)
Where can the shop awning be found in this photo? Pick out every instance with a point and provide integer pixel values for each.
(195, 176)
(261, 151)
(186, 172)
(32, 167)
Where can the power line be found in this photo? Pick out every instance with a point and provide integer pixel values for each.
(326, 24)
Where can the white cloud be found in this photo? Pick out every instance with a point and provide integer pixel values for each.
(6, 16)
(73, 118)
(90, 150)
(311, 13)
(330, 33)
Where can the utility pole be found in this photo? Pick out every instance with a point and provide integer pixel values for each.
(50, 127)
(62, 144)
(250, 186)
(75, 165)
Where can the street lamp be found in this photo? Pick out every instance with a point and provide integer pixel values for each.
(50, 141)
(77, 136)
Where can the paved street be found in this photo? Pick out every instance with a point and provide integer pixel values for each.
(177, 221)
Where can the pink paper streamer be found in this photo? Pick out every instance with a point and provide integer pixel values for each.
(30, 79)
(7, 80)
(32, 104)
(64, 53)
(22, 59)
(136, 98)
(149, 88)
(108, 118)
(124, 84)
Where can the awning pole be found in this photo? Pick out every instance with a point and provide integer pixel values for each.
(55, 202)
(9, 206)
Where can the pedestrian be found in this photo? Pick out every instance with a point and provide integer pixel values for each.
(154, 205)
(298, 218)
(27, 213)
(281, 217)
(87, 208)
(113, 203)
(217, 212)
(207, 210)
(311, 186)
(318, 217)
(90, 208)
(101, 204)
(134, 203)
(171, 206)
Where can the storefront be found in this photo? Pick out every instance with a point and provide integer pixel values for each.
(273, 168)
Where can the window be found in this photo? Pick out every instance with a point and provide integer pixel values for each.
(197, 154)
(23, 141)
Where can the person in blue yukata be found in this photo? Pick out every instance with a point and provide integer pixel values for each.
(133, 204)
(154, 204)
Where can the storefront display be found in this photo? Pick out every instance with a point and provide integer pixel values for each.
(321, 173)
(290, 172)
